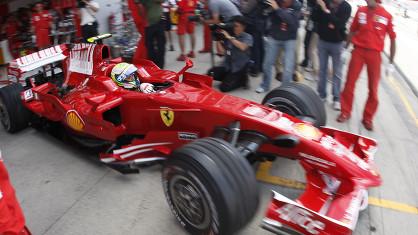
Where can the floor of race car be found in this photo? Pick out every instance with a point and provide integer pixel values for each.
(65, 190)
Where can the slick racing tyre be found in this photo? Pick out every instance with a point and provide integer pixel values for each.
(13, 115)
(298, 100)
(210, 188)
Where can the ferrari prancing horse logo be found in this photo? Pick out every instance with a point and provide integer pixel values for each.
(167, 116)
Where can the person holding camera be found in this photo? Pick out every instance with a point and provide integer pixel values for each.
(284, 24)
(236, 49)
(89, 24)
(186, 8)
(331, 19)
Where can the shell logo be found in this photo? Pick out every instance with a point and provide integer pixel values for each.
(74, 120)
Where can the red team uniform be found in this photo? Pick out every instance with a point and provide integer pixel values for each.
(370, 27)
(12, 221)
(41, 22)
(186, 8)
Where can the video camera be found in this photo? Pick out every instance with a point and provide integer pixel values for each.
(81, 4)
(216, 28)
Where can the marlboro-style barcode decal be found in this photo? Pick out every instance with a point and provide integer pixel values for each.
(81, 58)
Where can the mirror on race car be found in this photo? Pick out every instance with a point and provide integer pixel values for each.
(99, 37)
(188, 65)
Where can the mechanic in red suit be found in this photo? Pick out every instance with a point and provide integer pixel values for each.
(11, 29)
(367, 33)
(12, 221)
(41, 25)
(186, 8)
(139, 17)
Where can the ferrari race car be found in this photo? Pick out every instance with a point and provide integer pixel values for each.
(206, 140)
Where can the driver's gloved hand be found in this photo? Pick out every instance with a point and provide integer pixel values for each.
(146, 88)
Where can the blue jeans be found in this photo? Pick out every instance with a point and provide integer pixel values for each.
(271, 51)
(325, 50)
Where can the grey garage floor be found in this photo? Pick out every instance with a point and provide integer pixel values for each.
(65, 190)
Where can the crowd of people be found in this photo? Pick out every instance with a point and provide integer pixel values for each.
(253, 37)
(264, 34)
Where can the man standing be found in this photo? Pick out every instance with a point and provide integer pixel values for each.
(154, 32)
(186, 8)
(41, 26)
(331, 20)
(222, 11)
(89, 24)
(367, 33)
(282, 35)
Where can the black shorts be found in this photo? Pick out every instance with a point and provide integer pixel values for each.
(167, 21)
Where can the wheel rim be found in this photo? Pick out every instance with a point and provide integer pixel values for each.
(288, 107)
(4, 116)
(190, 202)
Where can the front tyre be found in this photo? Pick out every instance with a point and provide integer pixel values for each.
(298, 100)
(210, 188)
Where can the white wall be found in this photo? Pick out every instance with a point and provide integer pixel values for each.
(107, 8)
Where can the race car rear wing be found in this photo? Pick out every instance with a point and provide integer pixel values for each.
(36, 60)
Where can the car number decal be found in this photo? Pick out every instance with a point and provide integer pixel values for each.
(74, 120)
(28, 95)
(167, 116)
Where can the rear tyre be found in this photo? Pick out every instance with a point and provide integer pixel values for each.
(13, 115)
(298, 100)
(210, 188)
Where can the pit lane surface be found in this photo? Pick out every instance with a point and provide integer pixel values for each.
(66, 190)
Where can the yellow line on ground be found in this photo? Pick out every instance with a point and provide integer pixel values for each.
(263, 175)
(404, 100)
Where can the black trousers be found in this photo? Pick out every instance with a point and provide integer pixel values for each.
(155, 43)
(230, 81)
(89, 31)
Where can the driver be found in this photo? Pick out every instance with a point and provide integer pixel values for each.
(125, 75)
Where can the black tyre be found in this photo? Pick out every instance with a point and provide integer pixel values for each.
(13, 115)
(298, 100)
(210, 188)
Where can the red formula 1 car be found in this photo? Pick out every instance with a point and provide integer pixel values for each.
(206, 139)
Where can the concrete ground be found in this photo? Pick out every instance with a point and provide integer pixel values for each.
(65, 190)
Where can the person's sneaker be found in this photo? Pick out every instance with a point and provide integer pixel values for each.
(309, 69)
(171, 48)
(336, 105)
(260, 90)
(343, 117)
(324, 100)
(204, 50)
(304, 63)
(191, 54)
(367, 124)
(181, 58)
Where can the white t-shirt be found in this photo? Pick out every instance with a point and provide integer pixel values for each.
(87, 14)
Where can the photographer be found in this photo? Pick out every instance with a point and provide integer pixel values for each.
(284, 24)
(88, 11)
(233, 72)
